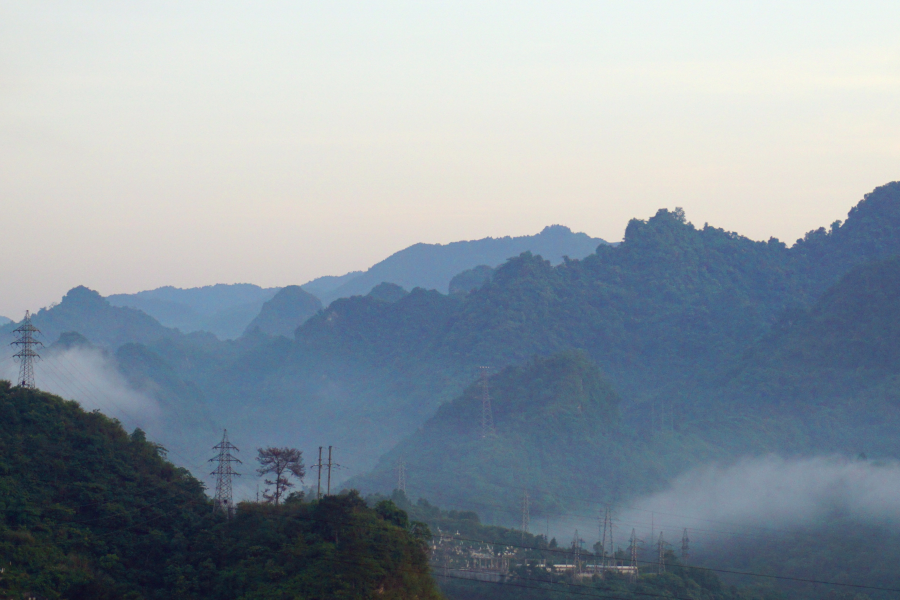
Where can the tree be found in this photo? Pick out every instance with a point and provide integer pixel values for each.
(281, 462)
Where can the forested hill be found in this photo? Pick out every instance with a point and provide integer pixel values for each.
(556, 432)
(826, 376)
(661, 314)
(670, 301)
(92, 513)
(826, 380)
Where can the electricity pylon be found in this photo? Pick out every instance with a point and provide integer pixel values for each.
(634, 565)
(224, 472)
(27, 354)
(401, 476)
(662, 555)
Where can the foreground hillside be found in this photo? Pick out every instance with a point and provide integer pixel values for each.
(90, 512)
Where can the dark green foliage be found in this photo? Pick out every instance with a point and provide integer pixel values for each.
(334, 548)
(90, 512)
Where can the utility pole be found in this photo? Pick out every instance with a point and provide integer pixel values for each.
(685, 547)
(401, 476)
(224, 472)
(526, 517)
(319, 469)
(328, 489)
(27, 354)
(634, 567)
(487, 415)
(662, 555)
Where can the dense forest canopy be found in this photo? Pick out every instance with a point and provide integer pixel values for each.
(91, 512)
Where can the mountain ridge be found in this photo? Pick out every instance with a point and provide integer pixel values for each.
(432, 266)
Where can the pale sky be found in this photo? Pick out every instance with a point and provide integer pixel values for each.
(192, 143)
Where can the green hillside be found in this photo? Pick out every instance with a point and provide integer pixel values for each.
(90, 512)
(825, 380)
(556, 427)
(826, 377)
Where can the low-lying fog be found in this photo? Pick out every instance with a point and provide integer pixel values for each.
(748, 498)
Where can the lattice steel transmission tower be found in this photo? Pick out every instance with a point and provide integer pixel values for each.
(685, 547)
(603, 537)
(634, 564)
(526, 516)
(487, 415)
(661, 568)
(224, 472)
(27, 354)
(576, 551)
(401, 476)
(607, 529)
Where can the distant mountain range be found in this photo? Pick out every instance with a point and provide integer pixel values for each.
(432, 266)
(710, 345)
(222, 309)
(227, 310)
(85, 311)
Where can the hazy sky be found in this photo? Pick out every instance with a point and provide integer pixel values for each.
(190, 143)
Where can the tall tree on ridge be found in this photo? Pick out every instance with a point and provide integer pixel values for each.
(281, 462)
